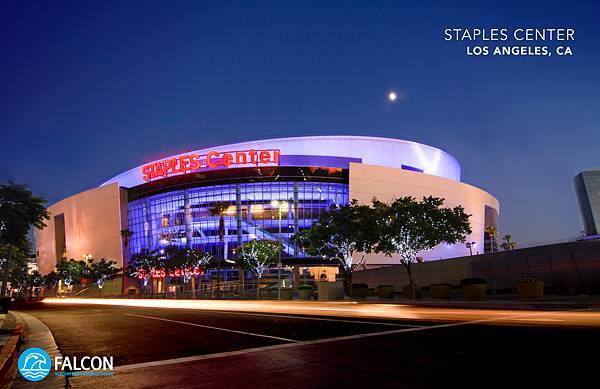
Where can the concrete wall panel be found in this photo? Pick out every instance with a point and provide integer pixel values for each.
(93, 224)
(386, 184)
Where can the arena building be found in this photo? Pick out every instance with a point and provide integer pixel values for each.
(170, 201)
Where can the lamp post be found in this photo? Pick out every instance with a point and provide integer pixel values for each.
(279, 205)
(470, 246)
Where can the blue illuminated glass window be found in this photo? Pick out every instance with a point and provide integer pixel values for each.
(183, 217)
(412, 168)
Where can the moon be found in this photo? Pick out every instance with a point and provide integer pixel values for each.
(392, 96)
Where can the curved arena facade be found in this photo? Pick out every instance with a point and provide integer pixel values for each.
(172, 201)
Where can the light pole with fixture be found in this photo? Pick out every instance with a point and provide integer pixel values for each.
(279, 205)
(470, 246)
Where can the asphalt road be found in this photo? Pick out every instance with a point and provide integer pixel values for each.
(260, 349)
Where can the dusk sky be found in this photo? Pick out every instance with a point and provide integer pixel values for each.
(89, 90)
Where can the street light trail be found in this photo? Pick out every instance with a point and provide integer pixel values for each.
(588, 318)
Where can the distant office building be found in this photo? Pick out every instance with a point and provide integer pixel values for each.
(587, 189)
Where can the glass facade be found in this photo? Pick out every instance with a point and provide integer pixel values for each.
(186, 217)
(587, 190)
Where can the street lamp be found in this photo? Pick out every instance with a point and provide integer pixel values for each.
(470, 246)
(279, 205)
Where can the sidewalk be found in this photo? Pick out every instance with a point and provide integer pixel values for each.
(37, 334)
(19, 331)
(10, 343)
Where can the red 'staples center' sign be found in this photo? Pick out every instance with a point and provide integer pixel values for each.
(212, 160)
(161, 273)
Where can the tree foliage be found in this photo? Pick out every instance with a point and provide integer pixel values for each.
(407, 226)
(51, 280)
(18, 271)
(185, 259)
(508, 243)
(72, 272)
(101, 271)
(36, 279)
(492, 231)
(142, 264)
(338, 234)
(259, 255)
(19, 254)
(19, 210)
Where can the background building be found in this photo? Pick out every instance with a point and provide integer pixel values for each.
(173, 201)
(587, 190)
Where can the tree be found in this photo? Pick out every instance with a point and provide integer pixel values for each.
(217, 209)
(126, 235)
(51, 280)
(37, 280)
(27, 281)
(258, 256)
(72, 272)
(193, 259)
(407, 227)
(491, 231)
(19, 210)
(185, 260)
(508, 243)
(18, 272)
(339, 234)
(102, 271)
(142, 264)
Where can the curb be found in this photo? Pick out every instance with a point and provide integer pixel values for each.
(8, 357)
(37, 334)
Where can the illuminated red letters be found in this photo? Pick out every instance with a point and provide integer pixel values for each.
(186, 163)
(161, 273)
(181, 164)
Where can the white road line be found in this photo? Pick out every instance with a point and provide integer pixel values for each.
(316, 318)
(305, 343)
(214, 328)
(194, 358)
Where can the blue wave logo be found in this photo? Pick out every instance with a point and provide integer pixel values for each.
(34, 364)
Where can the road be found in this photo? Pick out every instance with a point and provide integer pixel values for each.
(228, 344)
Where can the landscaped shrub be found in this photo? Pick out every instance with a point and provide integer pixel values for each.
(360, 286)
(305, 287)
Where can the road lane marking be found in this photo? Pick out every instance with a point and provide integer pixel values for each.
(142, 365)
(270, 348)
(213, 328)
(295, 344)
(316, 318)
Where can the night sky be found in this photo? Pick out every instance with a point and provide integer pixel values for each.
(89, 90)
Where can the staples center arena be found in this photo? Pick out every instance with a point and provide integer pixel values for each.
(169, 201)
